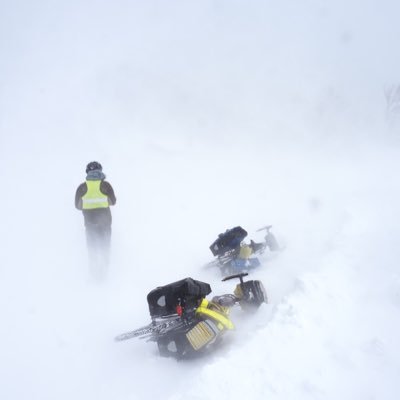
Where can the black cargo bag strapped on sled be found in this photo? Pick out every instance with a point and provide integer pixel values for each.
(186, 293)
(228, 241)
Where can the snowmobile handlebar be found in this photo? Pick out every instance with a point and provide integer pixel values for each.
(240, 276)
(264, 228)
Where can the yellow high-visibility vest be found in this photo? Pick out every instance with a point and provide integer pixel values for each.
(94, 198)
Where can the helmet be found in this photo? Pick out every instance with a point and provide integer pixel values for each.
(94, 165)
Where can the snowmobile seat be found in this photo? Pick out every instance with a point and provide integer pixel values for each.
(187, 293)
(228, 241)
(257, 247)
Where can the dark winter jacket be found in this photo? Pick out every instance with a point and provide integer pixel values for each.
(98, 216)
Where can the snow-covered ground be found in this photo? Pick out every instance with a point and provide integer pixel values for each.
(205, 115)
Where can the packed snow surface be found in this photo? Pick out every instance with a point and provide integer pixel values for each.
(205, 115)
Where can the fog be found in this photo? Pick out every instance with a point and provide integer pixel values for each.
(205, 115)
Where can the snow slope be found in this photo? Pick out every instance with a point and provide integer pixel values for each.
(205, 115)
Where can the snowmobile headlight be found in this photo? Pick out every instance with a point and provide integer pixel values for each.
(202, 334)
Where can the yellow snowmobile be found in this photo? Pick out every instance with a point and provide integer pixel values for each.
(185, 324)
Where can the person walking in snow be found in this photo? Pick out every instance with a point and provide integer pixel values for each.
(94, 198)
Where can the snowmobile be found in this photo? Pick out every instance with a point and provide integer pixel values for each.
(184, 324)
(233, 255)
